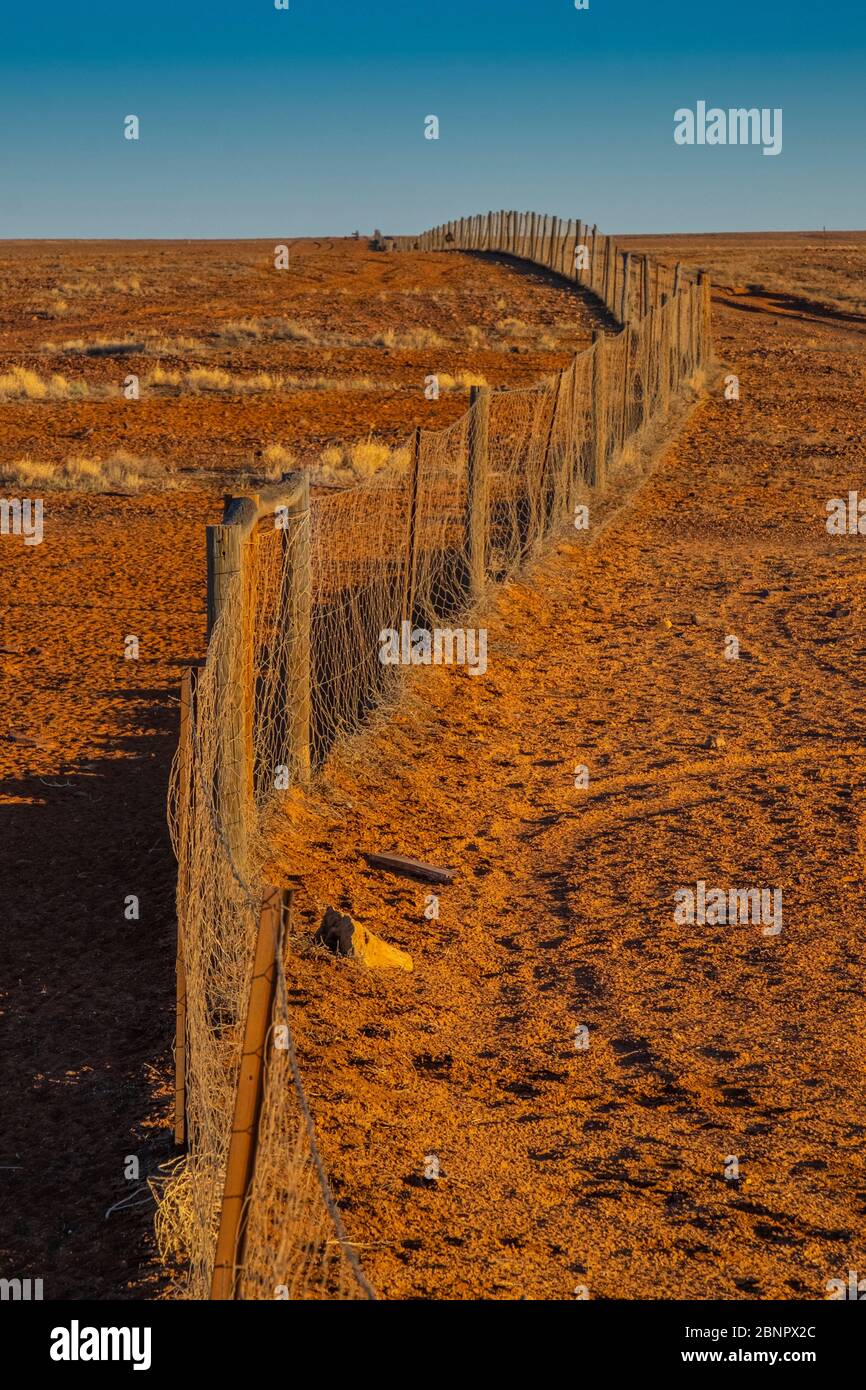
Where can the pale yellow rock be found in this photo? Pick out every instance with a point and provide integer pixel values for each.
(376, 953)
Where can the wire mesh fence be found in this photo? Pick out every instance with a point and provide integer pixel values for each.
(304, 596)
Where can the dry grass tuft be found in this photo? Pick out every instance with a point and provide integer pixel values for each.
(197, 381)
(200, 380)
(92, 288)
(98, 347)
(347, 464)
(119, 472)
(20, 384)
(278, 460)
(411, 339)
(474, 336)
(253, 330)
(461, 382)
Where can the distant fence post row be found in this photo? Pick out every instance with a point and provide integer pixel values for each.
(301, 591)
(628, 284)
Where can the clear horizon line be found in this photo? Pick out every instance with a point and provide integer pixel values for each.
(347, 236)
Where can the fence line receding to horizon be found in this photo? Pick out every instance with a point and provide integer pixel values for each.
(300, 588)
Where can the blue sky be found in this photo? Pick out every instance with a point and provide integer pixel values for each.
(260, 122)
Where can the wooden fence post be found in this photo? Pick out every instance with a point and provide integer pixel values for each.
(613, 301)
(410, 570)
(573, 449)
(186, 792)
(547, 489)
(663, 314)
(678, 275)
(598, 454)
(625, 290)
(299, 605)
(649, 377)
(225, 568)
(240, 1164)
(626, 366)
(579, 240)
(477, 490)
(706, 322)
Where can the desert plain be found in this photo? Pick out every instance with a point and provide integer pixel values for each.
(561, 1169)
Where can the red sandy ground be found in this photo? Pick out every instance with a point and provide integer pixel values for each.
(560, 1168)
(188, 290)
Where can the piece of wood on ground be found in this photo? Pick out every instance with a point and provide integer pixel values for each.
(410, 868)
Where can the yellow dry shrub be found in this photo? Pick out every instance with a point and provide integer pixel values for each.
(251, 329)
(259, 381)
(27, 471)
(408, 338)
(356, 463)
(160, 377)
(119, 472)
(208, 379)
(19, 383)
(368, 458)
(512, 327)
(278, 460)
(239, 330)
(461, 382)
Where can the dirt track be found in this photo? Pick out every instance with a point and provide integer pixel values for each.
(560, 1168)
(604, 1168)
